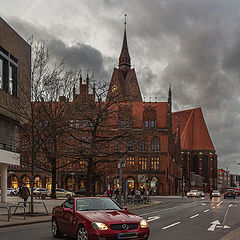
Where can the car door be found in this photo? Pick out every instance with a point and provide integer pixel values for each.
(67, 217)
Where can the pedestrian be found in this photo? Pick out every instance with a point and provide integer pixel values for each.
(25, 194)
(210, 193)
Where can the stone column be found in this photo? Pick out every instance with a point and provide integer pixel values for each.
(3, 183)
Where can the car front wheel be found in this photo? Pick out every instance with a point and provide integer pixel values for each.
(55, 229)
(82, 233)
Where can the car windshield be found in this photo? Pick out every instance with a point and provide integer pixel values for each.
(92, 204)
(193, 191)
(215, 191)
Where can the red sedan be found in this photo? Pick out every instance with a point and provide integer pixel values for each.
(97, 218)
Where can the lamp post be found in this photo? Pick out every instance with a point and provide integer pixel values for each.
(120, 182)
(72, 181)
(11, 173)
(108, 186)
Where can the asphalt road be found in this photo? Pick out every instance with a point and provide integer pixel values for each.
(179, 219)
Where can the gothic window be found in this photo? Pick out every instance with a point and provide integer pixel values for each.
(146, 124)
(77, 123)
(155, 163)
(195, 164)
(152, 124)
(118, 146)
(142, 163)
(127, 124)
(84, 123)
(143, 146)
(130, 161)
(155, 145)
(121, 124)
(205, 167)
(130, 146)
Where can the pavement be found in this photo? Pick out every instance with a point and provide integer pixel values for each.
(40, 212)
(234, 235)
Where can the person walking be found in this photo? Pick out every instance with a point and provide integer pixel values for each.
(25, 194)
(211, 194)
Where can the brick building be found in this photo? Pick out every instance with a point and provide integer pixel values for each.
(15, 56)
(160, 156)
(223, 180)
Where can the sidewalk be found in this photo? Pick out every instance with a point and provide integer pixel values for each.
(41, 216)
(234, 235)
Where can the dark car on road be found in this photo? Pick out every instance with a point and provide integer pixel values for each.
(97, 218)
(229, 193)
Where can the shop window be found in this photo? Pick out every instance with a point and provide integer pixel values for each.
(142, 163)
(155, 163)
(130, 161)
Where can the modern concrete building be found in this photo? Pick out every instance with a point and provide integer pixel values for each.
(15, 64)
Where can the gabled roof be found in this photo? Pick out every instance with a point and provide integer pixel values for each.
(193, 129)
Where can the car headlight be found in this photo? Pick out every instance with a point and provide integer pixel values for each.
(99, 226)
(143, 223)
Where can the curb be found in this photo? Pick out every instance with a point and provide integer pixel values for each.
(234, 235)
(49, 218)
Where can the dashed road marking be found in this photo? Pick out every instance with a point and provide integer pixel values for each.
(150, 219)
(194, 216)
(220, 203)
(172, 225)
(207, 210)
(213, 207)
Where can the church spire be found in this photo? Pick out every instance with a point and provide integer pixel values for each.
(124, 59)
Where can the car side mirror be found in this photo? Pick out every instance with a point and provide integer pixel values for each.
(67, 210)
(124, 208)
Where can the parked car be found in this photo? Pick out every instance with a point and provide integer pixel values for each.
(229, 193)
(80, 192)
(97, 218)
(40, 192)
(193, 193)
(62, 193)
(216, 193)
(10, 192)
(201, 194)
(237, 193)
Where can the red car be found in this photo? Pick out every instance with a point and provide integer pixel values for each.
(97, 218)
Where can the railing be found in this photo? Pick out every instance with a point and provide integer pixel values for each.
(9, 208)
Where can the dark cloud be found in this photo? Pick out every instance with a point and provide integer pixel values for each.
(80, 56)
(195, 45)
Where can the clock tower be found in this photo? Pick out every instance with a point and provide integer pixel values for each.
(124, 83)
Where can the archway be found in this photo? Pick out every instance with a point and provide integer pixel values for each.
(26, 181)
(37, 182)
(48, 182)
(70, 181)
(15, 182)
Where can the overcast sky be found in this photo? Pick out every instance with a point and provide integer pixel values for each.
(194, 44)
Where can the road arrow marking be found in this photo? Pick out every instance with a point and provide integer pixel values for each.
(225, 227)
(174, 224)
(150, 219)
(214, 224)
(220, 203)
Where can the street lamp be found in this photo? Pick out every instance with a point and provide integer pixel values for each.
(11, 172)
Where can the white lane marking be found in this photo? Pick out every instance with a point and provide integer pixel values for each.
(225, 216)
(220, 203)
(213, 207)
(203, 204)
(225, 227)
(169, 209)
(206, 210)
(214, 224)
(150, 219)
(172, 225)
(194, 216)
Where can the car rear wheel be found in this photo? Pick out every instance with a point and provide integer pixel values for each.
(55, 229)
(82, 233)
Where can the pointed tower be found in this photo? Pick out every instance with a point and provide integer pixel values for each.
(124, 83)
(124, 59)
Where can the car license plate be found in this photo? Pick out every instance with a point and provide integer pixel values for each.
(127, 235)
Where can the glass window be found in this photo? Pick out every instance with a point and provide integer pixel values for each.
(68, 204)
(83, 123)
(152, 124)
(121, 124)
(155, 162)
(10, 82)
(130, 161)
(142, 163)
(127, 124)
(1, 73)
(130, 146)
(146, 124)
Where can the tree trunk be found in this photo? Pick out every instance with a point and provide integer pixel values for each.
(89, 177)
(53, 190)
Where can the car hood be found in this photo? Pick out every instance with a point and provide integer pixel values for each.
(110, 216)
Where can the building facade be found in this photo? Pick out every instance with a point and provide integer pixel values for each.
(15, 62)
(223, 180)
(157, 157)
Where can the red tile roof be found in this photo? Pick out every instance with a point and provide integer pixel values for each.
(194, 132)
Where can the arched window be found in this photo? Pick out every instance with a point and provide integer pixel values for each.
(195, 164)
(205, 167)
